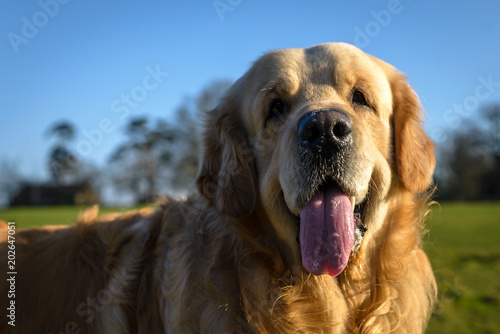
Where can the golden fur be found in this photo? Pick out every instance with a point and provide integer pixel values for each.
(227, 260)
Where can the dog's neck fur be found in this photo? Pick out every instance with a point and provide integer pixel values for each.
(278, 296)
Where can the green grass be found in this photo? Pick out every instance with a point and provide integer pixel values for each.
(38, 216)
(463, 245)
(464, 249)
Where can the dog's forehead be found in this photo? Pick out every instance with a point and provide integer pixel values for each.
(330, 63)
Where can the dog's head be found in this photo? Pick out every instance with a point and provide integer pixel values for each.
(310, 136)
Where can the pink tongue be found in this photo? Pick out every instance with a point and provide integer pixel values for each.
(327, 232)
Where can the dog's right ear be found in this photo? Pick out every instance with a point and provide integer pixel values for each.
(414, 149)
(227, 177)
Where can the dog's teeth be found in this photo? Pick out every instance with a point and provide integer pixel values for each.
(353, 202)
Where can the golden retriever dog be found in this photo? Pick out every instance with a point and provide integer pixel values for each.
(312, 188)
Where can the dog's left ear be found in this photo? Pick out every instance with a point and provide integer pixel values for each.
(414, 149)
(227, 176)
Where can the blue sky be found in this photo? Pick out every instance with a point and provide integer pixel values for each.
(76, 60)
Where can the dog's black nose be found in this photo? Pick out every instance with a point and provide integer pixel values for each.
(325, 130)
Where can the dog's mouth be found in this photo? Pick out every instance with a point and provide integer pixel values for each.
(330, 229)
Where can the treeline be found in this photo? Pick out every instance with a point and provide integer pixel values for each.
(469, 160)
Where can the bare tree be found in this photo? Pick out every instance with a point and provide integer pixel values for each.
(137, 165)
(161, 157)
(489, 129)
(10, 180)
(188, 121)
(62, 163)
(470, 162)
(211, 95)
(464, 164)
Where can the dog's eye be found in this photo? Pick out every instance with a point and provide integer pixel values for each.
(359, 98)
(277, 109)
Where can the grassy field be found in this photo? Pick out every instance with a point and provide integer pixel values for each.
(39, 216)
(464, 248)
(463, 245)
